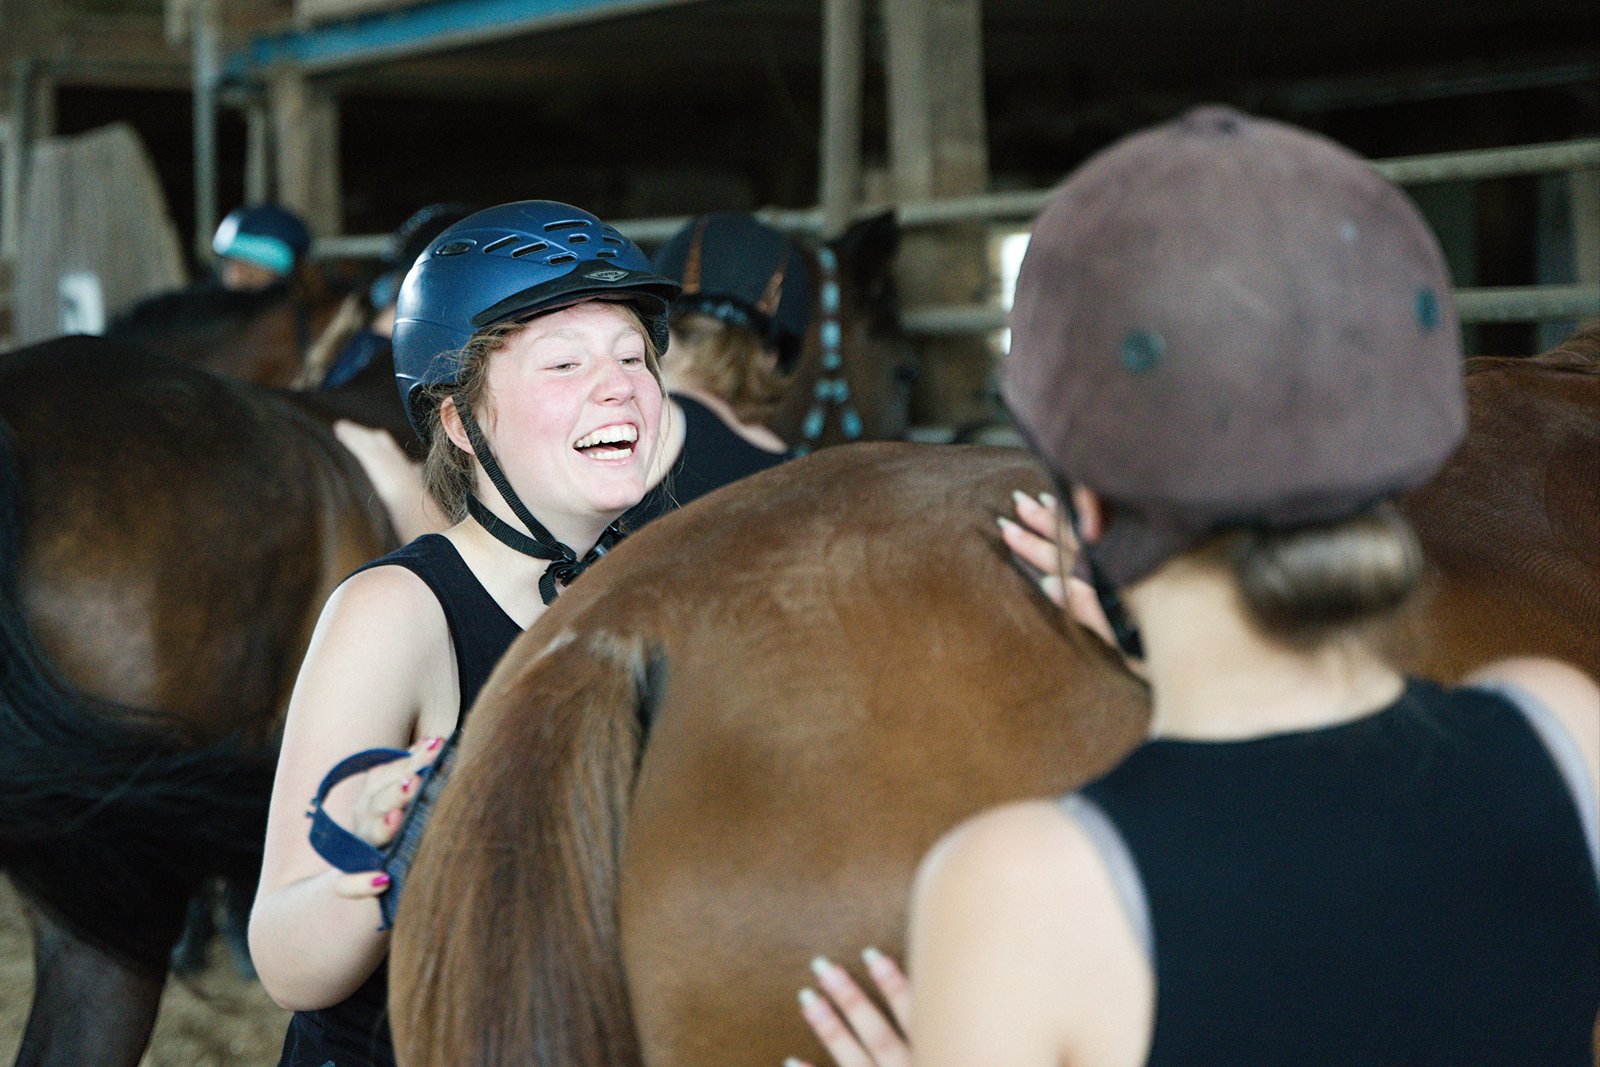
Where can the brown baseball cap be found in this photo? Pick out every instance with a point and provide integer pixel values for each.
(1226, 321)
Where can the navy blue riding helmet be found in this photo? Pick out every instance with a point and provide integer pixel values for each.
(736, 268)
(501, 265)
(264, 234)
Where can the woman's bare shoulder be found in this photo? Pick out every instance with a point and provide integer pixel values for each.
(1017, 908)
(384, 620)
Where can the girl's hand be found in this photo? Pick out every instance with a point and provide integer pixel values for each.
(1040, 541)
(1044, 542)
(849, 1025)
(385, 792)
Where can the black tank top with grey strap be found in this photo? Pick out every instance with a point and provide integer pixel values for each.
(355, 1032)
(1420, 886)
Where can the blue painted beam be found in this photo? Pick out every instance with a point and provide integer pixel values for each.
(411, 31)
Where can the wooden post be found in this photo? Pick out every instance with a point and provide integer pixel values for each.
(31, 115)
(1583, 192)
(257, 152)
(938, 147)
(305, 121)
(843, 73)
(205, 45)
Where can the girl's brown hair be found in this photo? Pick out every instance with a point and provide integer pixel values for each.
(448, 471)
(730, 361)
(1302, 585)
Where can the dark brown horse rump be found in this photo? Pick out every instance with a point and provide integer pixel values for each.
(835, 662)
(168, 539)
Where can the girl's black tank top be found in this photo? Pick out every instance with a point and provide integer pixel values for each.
(1413, 887)
(355, 1032)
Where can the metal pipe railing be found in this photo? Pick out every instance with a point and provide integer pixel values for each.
(1515, 304)
(1530, 303)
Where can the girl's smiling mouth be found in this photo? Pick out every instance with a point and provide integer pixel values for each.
(614, 442)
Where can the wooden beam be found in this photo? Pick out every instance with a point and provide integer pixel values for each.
(938, 140)
(843, 73)
(938, 147)
(305, 121)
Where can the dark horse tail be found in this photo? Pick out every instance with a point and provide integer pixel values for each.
(109, 815)
(520, 867)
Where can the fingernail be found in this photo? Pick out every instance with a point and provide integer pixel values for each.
(433, 743)
(392, 819)
(1048, 500)
(792, 1062)
(1019, 498)
(809, 1000)
(823, 968)
(1005, 524)
(874, 959)
(405, 786)
(379, 881)
(1050, 585)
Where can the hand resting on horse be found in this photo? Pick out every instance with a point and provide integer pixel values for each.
(853, 1029)
(1040, 537)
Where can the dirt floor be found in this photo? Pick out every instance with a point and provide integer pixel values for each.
(216, 1019)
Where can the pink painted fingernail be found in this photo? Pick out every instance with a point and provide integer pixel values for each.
(405, 786)
(379, 881)
(433, 743)
(392, 819)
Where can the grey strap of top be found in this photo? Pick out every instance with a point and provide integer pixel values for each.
(1566, 755)
(1119, 863)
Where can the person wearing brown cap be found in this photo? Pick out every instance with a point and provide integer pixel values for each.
(1233, 344)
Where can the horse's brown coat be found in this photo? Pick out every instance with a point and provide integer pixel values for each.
(176, 536)
(839, 663)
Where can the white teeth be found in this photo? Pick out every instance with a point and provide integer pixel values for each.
(607, 435)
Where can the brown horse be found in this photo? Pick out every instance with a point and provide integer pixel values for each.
(877, 362)
(167, 539)
(258, 337)
(725, 750)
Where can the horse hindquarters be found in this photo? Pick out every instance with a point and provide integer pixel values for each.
(98, 828)
(526, 887)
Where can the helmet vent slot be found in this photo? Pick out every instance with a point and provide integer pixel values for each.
(606, 253)
(528, 250)
(499, 243)
(578, 239)
(572, 224)
(610, 240)
(565, 257)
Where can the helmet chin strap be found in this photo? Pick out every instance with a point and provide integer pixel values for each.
(565, 565)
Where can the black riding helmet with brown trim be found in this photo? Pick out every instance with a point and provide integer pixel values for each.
(736, 268)
(1226, 321)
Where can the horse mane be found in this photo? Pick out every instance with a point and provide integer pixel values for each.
(205, 307)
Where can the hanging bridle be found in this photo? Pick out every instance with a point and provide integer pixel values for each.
(832, 389)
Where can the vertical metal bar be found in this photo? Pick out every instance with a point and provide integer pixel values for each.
(19, 133)
(843, 74)
(206, 60)
(258, 153)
